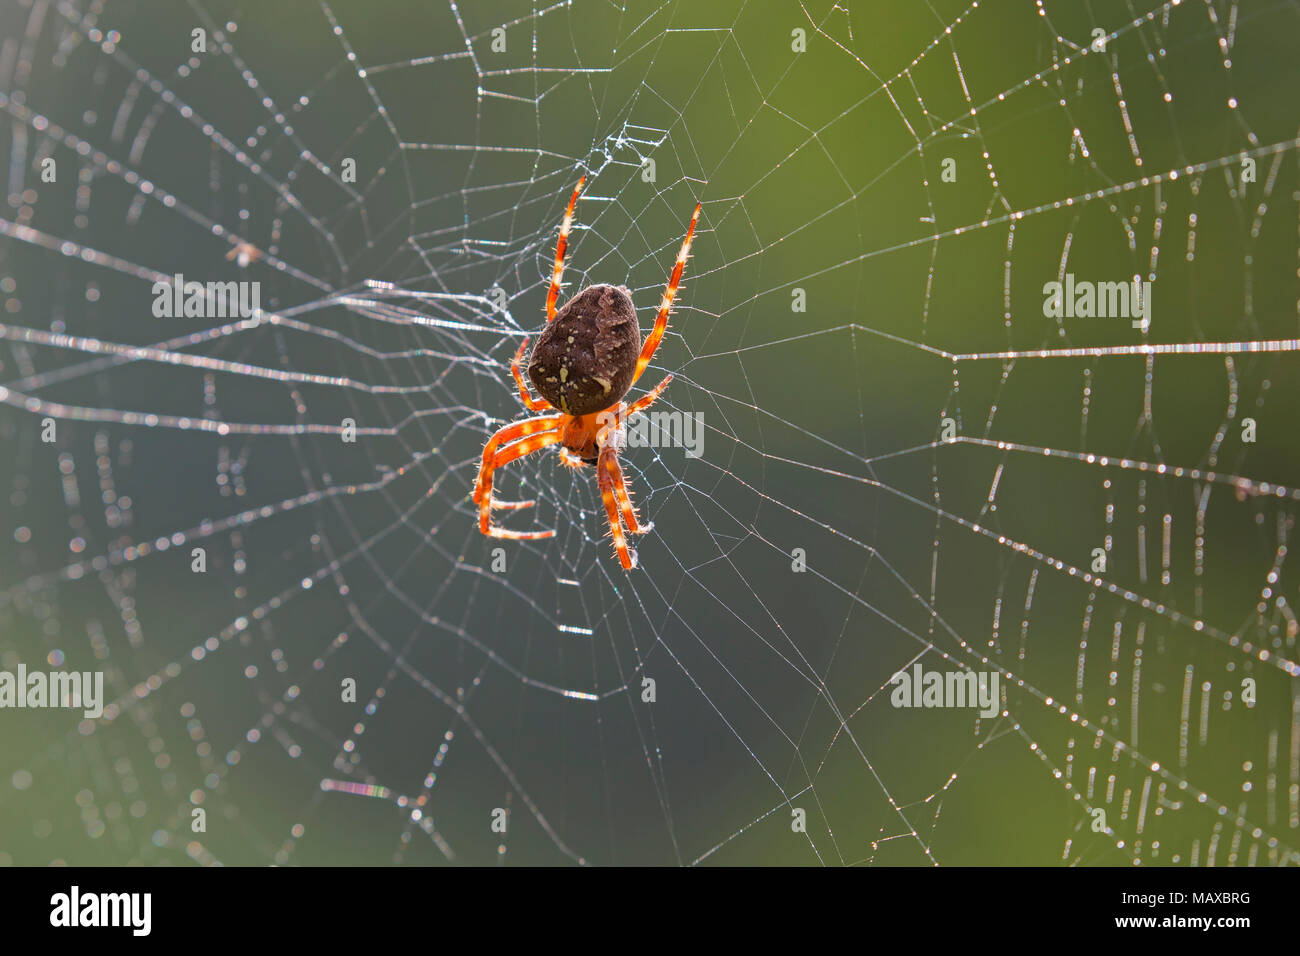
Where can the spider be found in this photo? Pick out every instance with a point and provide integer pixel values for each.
(585, 361)
(244, 254)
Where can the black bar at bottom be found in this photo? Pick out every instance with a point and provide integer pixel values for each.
(359, 906)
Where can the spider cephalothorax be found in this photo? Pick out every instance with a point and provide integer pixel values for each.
(585, 361)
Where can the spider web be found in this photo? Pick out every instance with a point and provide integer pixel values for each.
(396, 301)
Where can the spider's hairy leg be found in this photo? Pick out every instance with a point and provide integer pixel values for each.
(483, 486)
(532, 404)
(495, 532)
(646, 400)
(570, 460)
(616, 472)
(504, 435)
(506, 455)
(605, 481)
(608, 464)
(661, 320)
(553, 296)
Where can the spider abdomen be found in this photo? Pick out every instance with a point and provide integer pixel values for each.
(584, 360)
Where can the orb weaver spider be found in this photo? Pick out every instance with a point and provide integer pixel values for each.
(586, 360)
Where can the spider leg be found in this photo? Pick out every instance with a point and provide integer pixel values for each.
(560, 247)
(495, 532)
(646, 400)
(616, 472)
(532, 404)
(608, 462)
(506, 455)
(661, 320)
(610, 484)
(504, 435)
(508, 433)
(571, 460)
(626, 557)
(499, 505)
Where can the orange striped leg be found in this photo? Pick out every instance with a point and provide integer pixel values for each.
(661, 321)
(560, 247)
(605, 481)
(532, 404)
(646, 400)
(504, 457)
(569, 458)
(609, 463)
(495, 532)
(509, 433)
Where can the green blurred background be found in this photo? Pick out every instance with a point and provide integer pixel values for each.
(819, 170)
